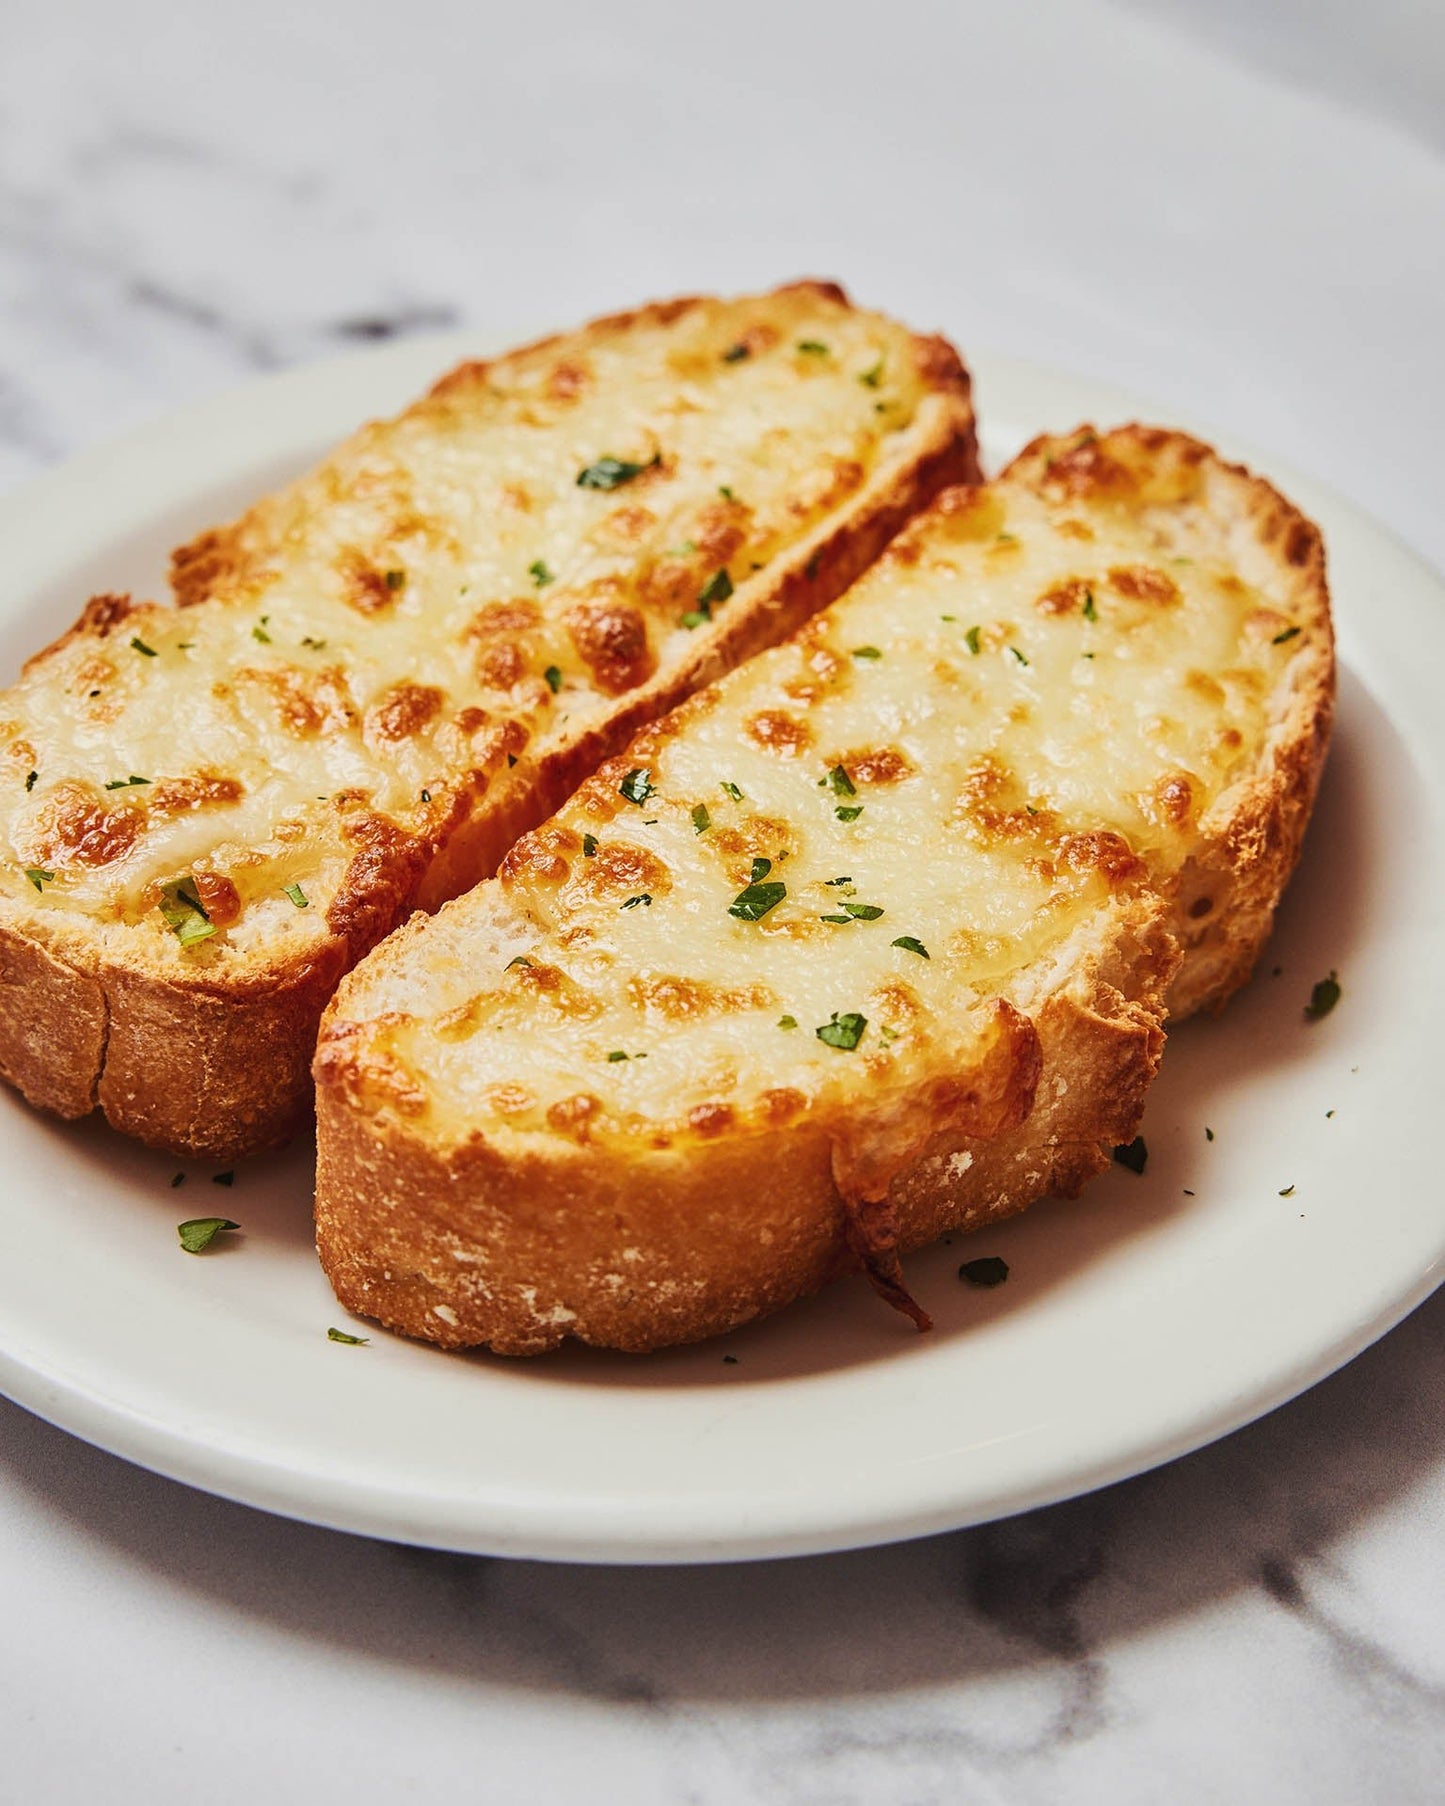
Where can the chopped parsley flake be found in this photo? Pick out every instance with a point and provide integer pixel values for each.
(1005, 539)
(140, 646)
(844, 921)
(732, 791)
(841, 783)
(911, 944)
(258, 632)
(754, 901)
(177, 1179)
(1288, 1192)
(726, 493)
(970, 639)
(511, 760)
(1090, 612)
(761, 868)
(988, 1270)
(589, 846)
(342, 1335)
(125, 783)
(198, 1234)
(1133, 1154)
(642, 897)
(297, 896)
(31, 780)
(395, 580)
(849, 813)
(701, 820)
(612, 473)
(538, 572)
(553, 675)
(184, 913)
(637, 786)
(1288, 634)
(812, 348)
(717, 589)
(227, 1179)
(863, 912)
(696, 617)
(843, 1032)
(736, 353)
(866, 652)
(426, 796)
(520, 960)
(1209, 1134)
(39, 877)
(616, 1055)
(1018, 655)
(871, 377)
(314, 645)
(787, 1021)
(1323, 998)
(833, 883)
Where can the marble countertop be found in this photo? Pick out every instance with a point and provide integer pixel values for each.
(1239, 210)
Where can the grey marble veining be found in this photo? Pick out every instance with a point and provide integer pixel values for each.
(189, 197)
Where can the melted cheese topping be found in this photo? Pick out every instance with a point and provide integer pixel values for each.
(382, 643)
(1026, 703)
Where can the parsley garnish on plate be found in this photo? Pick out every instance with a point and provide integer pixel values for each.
(1323, 998)
(637, 786)
(988, 1271)
(612, 473)
(1133, 1154)
(843, 1032)
(342, 1335)
(198, 1234)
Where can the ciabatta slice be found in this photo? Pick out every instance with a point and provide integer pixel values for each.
(872, 938)
(383, 674)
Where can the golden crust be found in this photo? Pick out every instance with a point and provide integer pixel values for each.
(519, 1246)
(217, 1064)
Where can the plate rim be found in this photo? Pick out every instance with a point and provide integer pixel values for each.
(238, 423)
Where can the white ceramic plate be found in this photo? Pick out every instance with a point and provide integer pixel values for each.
(1136, 1324)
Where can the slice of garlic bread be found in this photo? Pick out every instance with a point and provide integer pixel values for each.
(874, 937)
(380, 676)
